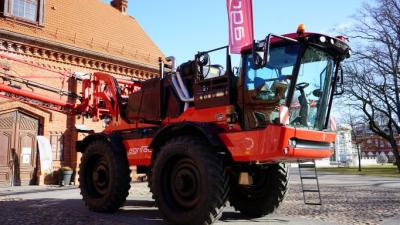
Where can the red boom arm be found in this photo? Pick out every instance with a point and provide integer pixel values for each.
(100, 98)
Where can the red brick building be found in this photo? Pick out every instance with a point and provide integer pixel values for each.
(61, 36)
(372, 145)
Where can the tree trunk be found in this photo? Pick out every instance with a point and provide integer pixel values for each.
(359, 157)
(395, 149)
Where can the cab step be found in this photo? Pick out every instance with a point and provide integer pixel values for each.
(308, 171)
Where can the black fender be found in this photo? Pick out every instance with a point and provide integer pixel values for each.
(204, 130)
(114, 139)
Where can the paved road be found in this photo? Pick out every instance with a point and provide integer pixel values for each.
(65, 207)
(347, 200)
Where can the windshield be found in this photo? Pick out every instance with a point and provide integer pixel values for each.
(267, 87)
(279, 68)
(310, 102)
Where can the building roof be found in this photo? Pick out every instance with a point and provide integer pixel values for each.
(95, 26)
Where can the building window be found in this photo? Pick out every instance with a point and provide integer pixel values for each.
(57, 146)
(31, 11)
(26, 9)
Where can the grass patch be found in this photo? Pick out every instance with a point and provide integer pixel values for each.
(376, 170)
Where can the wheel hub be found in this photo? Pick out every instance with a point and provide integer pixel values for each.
(100, 177)
(185, 183)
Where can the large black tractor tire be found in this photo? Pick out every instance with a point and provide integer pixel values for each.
(189, 182)
(264, 196)
(104, 177)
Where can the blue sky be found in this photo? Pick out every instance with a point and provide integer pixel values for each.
(183, 27)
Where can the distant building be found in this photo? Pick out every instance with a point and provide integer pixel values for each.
(345, 151)
(372, 145)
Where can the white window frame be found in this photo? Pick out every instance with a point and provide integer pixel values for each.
(8, 12)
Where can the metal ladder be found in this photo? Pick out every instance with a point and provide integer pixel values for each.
(310, 174)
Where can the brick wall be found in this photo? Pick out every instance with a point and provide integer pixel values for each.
(53, 122)
(84, 36)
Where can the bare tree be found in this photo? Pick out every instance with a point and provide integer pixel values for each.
(373, 77)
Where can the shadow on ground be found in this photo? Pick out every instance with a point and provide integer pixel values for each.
(73, 212)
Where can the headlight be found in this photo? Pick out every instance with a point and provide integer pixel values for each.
(292, 143)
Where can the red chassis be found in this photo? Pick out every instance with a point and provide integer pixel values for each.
(244, 146)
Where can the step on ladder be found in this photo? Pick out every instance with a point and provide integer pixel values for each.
(310, 183)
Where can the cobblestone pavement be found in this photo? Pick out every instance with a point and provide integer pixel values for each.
(346, 200)
(346, 204)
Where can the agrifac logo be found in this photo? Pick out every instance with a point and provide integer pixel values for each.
(139, 150)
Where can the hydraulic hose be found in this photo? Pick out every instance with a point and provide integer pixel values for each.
(182, 85)
(179, 86)
(181, 96)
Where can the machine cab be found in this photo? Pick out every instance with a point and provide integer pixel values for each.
(283, 80)
(296, 73)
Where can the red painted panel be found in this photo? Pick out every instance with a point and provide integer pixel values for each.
(138, 152)
(271, 144)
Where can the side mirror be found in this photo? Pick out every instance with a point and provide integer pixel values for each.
(258, 57)
(257, 60)
(236, 70)
(339, 89)
(203, 59)
(266, 47)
